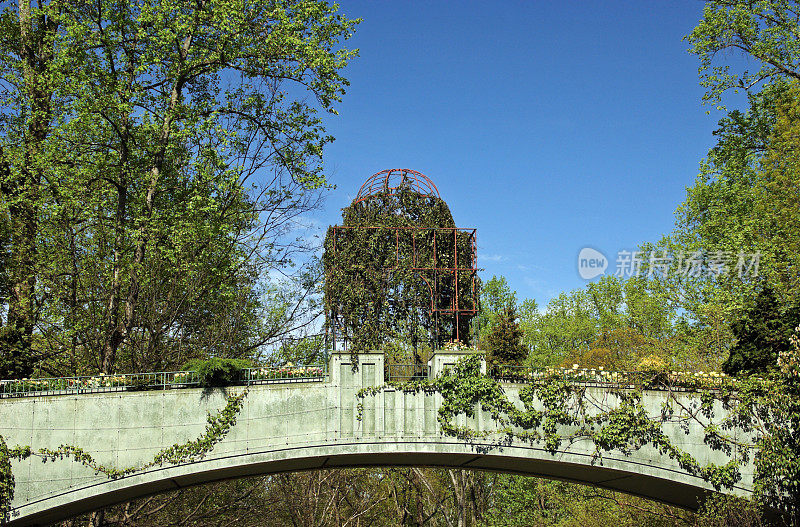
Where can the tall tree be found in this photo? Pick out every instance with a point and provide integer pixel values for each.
(28, 101)
(740, 202)
(496, 296)
(184, 151)
(762, 331)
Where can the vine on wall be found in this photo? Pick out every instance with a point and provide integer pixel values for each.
(762, 420)
(217, 427)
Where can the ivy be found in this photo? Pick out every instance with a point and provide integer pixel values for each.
(217, 427)
(377, 287)
(6, 482)
(552, 404)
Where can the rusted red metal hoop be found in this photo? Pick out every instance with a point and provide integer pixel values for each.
(389, 182)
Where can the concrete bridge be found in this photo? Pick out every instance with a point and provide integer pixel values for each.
(288, 427)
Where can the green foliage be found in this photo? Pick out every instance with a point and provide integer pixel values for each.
(5, 255)
(721, 510)
(519, 501)
(611, 323)
(504, 342)
(370, 287)
(765, 30)
(774, 411)
(16, 359)
(217, 371)
(744, 200)
(6, 482)
(305, 350)
(761, 333)
(129, 147)
(496, 295)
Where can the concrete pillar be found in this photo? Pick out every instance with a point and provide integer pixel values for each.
(369, 372)
(447, 358)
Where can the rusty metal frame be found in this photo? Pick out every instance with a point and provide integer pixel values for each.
(437, 271)
(388, 182)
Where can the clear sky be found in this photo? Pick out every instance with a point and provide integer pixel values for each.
(548, 126)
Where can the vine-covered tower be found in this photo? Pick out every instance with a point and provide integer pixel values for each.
(398, 269)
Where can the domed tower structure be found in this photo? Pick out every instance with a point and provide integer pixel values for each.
(398, 269)
(397, 180)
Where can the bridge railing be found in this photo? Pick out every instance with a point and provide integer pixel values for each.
(603, 378)
(405, 372)
(98, 383)
(272, 374)
(152, 381)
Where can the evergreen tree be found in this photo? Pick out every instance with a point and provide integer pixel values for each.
(504, 343)
(762, 332)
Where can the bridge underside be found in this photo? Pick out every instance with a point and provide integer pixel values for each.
(292, 427)
(514, 460)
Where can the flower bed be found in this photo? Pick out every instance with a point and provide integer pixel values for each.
(599, 376)
(285, 372)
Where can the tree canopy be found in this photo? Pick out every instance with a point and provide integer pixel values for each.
(153, 157)
(766, 30)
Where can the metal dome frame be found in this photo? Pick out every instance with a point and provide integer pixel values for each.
(432, 273)
(386, 182)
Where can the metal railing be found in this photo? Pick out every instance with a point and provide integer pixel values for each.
(405, 372)
(98, 383)
(152, 381)
(598, 377)
(283, 374)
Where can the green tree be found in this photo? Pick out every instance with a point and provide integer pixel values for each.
(378, 282)
(504, 342)
(611, 323)
(5, 247)
(743, 202)
(765, 30)
(496, 295)
(28, 71)
(761, 333)
(168, 112)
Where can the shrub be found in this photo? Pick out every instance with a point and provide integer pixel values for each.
(216, 371)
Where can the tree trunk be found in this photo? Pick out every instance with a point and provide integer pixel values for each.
(21, 187)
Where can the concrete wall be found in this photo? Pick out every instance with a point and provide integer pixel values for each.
(285, 427)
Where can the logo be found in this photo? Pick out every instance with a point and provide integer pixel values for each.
(591, 263)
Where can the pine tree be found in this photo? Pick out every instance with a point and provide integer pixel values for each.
(504, 343)
(761, 334)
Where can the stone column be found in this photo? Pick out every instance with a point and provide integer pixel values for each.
(446, 359)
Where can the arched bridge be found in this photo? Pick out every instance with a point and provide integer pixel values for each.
(298, 426)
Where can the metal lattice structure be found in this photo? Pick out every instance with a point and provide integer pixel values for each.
(391, 181)
(454, 270)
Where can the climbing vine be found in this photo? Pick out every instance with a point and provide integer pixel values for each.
(217, 427)
(6, 481)
(376, 288)
(764, 411)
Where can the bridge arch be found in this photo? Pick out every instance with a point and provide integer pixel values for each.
(291, 427)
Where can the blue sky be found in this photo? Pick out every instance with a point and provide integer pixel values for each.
(548, 126)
